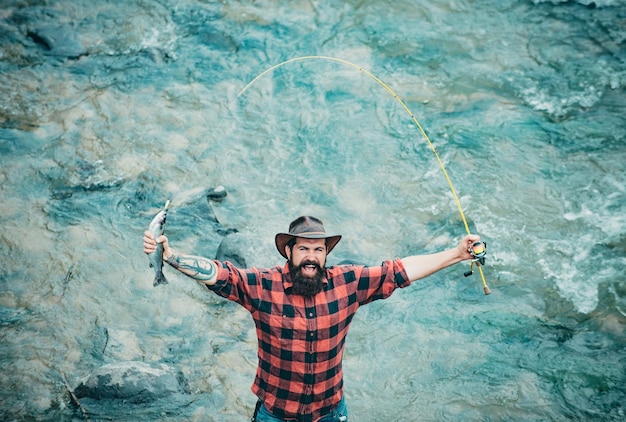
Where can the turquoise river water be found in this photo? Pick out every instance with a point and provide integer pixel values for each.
(110, 108)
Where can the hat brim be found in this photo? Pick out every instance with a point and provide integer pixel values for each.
(283, 238)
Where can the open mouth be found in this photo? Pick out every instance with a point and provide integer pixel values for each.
(309, 269)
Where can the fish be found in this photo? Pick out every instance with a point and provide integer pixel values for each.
(157, 228)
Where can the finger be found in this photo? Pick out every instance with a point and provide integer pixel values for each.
(149, 245)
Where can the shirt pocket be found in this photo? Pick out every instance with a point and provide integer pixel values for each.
(288, 333)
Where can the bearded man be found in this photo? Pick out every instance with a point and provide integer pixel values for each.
(302, 312)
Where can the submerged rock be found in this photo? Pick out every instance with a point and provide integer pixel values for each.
(82, 176)
(133, 382)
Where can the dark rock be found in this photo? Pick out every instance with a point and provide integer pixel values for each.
(133, 382)
(59, 41)
(239, 249)
(217, 194)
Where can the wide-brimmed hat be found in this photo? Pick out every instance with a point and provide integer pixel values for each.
(306, 227)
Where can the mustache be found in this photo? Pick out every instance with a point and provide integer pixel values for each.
(313, 263)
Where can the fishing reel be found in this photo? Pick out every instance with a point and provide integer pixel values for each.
(478, 251)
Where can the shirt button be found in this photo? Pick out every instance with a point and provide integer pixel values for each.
(310, 314)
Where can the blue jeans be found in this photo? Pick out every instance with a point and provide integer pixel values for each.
(338, 414)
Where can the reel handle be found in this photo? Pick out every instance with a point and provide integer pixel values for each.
(478, 251)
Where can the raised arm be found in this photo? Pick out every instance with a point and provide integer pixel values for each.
(420, 266)
(201, 269)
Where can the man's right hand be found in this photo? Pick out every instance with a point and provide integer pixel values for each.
(150, 245)
(201, 269)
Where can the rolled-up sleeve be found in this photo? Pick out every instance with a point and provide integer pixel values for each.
(375, 282)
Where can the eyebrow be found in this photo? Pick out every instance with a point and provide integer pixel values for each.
(317, 248)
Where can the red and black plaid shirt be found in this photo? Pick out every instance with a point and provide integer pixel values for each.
(301, 340)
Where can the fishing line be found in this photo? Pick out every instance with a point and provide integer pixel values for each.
(476, 259)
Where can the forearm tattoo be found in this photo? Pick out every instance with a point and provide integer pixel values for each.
(173, 261)
(201, 269)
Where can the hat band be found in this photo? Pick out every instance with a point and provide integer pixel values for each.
(308, 233)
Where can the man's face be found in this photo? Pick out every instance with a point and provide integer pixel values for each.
(306, 266)
(308, 251)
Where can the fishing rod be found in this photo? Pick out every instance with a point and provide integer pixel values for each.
(478, 250)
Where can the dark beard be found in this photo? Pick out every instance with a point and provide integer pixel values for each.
(303, 285)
